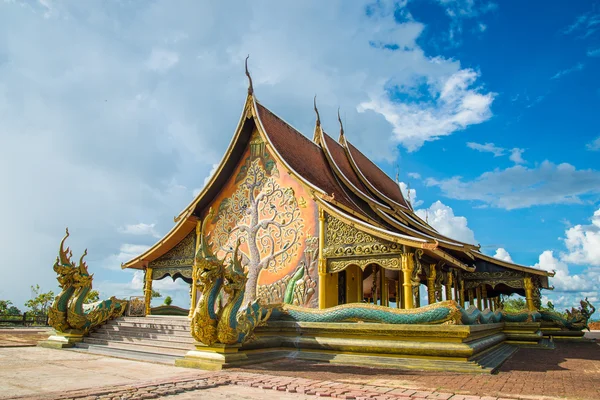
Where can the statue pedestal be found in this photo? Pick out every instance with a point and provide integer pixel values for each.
(61, 340)
(216, 357)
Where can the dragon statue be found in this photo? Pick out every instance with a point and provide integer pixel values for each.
(227, 324)
(445, 312)
(67, 314)
(575, 320)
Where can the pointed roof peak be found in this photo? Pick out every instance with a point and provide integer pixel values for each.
(341, 138)
(317, 111)
(250, 88)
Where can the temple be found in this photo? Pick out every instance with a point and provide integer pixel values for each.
(320, 225)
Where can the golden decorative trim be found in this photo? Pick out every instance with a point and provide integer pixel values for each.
(336, 265)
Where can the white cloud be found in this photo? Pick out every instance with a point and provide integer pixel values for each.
(563, 280)
(456, 106)
(126, 252)
(516, 155)
(414, 175)
(140, 229)
(442, 218)
(585, 25)
(410, 194)
(502, 254)
(594, 52)
(594, 145)
(521, 187)
(567, 71)
(583, 243)
(133, 105)
(197, 191)
(487, 148)
(482, 27)
(161, 60)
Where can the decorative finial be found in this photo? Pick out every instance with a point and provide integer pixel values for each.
(426, 216)
(341, 127)
(250, 88)
(317, 111)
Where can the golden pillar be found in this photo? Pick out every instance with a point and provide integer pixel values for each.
(478, 294)
(471, 297)
(431, 284)
(148, 290)
(528, 284)
(194, 273)
(385, 289)
(461, 296)
(449, 282)
(484, 296)
(408, 265)
(322, 263)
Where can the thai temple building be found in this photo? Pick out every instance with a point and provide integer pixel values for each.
(319, 216)
(305, 248)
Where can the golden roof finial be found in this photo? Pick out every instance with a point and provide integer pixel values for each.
(250, 88)
(317, 111)
(341, 138)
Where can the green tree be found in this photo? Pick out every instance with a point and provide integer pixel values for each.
(515, 305)
(39, 302)
(4, 306)
(168, 301)
(12, 310)
(92, 297)
(155, 294)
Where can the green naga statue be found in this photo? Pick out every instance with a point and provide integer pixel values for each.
(574, 320)
(67, 314)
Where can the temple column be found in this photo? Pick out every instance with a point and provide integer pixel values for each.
(462, 293)
(528, 284)
(471, 298)
(148, 290)
(431, 284)
(322, 263)
(449, 286)
(385, 298)
(408, 265)
(478, 295)
(194, 293)
(484, 296)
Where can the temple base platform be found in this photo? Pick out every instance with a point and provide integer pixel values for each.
(555, 333)
(458, 348)
(527, 334)
(62, 340)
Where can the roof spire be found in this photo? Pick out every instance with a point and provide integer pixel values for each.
(341, 138)
(250, 88)
(317, 111)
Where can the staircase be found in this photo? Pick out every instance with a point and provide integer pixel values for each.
(159, 339)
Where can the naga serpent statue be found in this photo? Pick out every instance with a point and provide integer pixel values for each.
(229, 324)
(67, 314)
(575, 320)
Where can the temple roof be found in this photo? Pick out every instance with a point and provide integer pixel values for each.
(343, 181)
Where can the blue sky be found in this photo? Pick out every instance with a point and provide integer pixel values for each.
(114, 113)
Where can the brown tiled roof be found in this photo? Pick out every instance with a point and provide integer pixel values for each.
(304, 157)
(338, 154)
(376, 176)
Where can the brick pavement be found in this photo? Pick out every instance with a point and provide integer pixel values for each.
(571, 371)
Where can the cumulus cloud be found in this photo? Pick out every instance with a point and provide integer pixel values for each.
(594, 145)
(503, 255)
(442, 218)
(140, 229)
(584, 25)
(487, 148)
(583, 243)
(410, 194)
(563, 280)
(594, 52)
(125, 129)
(456, 104)
(521, 187)
(515, 153)
(414, 175)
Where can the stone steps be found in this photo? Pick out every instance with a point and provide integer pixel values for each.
(155, 339)
(491, 360)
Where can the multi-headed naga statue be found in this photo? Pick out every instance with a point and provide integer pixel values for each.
(67, 314)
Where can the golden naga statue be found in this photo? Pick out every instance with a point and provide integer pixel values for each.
(67, 315)
(227, 324)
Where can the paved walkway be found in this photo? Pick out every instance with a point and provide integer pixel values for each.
(572, 371)
(22, 337)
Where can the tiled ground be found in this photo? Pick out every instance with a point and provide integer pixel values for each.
(571, 370)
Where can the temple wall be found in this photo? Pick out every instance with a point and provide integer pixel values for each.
(275, 219)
